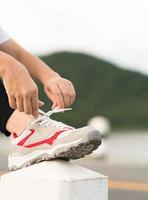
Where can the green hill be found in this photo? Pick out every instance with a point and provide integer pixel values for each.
(102, 89)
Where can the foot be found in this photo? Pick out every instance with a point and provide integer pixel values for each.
(47, 139)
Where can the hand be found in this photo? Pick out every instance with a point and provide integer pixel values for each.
(21, 90)
(60, 90)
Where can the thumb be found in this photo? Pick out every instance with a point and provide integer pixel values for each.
(54, 105)
(40, 103)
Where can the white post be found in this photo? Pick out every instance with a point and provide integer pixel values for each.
(54, 180)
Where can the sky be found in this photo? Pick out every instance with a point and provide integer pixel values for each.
(115, 30)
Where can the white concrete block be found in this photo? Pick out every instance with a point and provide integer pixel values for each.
(54, 180)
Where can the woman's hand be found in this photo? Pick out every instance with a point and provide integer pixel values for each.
(21, 90)
(60, 91)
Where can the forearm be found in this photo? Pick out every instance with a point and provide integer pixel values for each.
(3, 63)
(36, 67)
(59, 90)
(8, 63)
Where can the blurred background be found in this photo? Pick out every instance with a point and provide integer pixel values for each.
(101, 46)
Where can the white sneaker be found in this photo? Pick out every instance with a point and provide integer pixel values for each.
(47, 139)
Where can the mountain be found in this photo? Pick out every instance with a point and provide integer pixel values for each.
(102, 89)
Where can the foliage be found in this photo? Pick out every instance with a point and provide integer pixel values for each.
(102, 89)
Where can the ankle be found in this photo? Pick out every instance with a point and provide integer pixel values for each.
(18, 121)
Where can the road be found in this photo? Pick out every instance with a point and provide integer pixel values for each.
(125, 182)
(127, 170)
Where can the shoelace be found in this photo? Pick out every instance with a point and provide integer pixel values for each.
(45, 120)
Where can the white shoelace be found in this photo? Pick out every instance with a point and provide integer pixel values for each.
(45, 120)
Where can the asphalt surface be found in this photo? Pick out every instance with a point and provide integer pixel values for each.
(124, 174)
(126, 169)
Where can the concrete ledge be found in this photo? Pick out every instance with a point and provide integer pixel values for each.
(54, 180)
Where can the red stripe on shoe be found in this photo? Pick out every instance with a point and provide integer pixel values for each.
(14, 135)
(47, 141)
(22, 142)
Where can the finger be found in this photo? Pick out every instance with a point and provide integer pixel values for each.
(72, 93)
(59, 99)
(12, 102)
(35, 106)
(27, 106)
(54, 105)
(65, 91)
(40, 103)
(65, 95)
(56, 96)
(20, 106)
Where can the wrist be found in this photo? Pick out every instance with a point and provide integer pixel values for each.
(48, 75)
(4, 63)
(6, 68)
(10, 67)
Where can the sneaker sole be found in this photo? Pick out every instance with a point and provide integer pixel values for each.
(79, 150)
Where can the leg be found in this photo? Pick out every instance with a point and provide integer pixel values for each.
(18, 121)
(11, 120)
(5, 110)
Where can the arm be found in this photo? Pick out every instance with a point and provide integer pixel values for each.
(21, 90)
(58, 89)
(36, 67)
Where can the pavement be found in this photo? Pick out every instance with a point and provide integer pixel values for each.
(125, 182)
(125, 163)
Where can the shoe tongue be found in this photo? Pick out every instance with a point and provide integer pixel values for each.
(33, 122)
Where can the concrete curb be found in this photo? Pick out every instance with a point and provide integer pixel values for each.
(54, 180)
